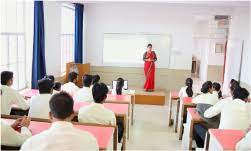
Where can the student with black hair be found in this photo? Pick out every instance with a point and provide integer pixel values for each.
(95, 79)
(71, 86)
(234, 113)
(62, 135)
(51, 77)
(206, 97)
(187, 91)
(57, 87)
(10, 96)
(217, 90)
(233, 85)
(119, 89)
(96, 112)
(39, 104)
(85, 93)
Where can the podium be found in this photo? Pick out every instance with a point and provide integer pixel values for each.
(79, 68)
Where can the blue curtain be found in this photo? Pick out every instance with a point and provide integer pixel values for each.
(78, 47)
(38, 61)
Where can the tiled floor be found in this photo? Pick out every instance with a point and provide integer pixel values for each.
(150, 130)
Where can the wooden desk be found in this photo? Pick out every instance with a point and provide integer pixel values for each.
(120, 110)
(174, 96)
(184, 104)
(193, 118)
(103, 134)
(222, 139)
(124, 99)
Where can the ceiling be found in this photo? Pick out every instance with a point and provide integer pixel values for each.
(225, 3)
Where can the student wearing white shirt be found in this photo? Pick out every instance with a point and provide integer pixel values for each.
(96, 113)
(187, 91)
(10, 96)
(119, 90)
(71, 86)
(85, 93)
(9, 135)
(39, 104)
(234, 113)
(62, 135)
(245, 143)
(206, 97)
(95, 79)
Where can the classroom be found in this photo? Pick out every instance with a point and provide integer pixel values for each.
(125, 75)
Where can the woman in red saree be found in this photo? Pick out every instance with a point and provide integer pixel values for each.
(149, 68)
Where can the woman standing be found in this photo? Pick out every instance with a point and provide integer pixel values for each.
(149, 68)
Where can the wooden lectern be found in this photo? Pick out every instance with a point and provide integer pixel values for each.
(79, 68)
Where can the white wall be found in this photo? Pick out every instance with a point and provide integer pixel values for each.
(52, 27)
(134, 18)
(177, 20)
(240, 30)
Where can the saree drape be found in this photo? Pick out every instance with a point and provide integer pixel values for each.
(149, 70)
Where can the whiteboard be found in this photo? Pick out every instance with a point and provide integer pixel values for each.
(127, 49)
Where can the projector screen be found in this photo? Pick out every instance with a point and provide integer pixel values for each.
(128, 49)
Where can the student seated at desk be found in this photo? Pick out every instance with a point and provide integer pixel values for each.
(187, 91)
(234, 113)
(10, 96)
(95, 79)
(11, 137)
(71, 86)
(96, 112)
(85, 93)
(206, 97)
(217, 90)
(119, 90)
(245, 142)
(62, 135)
(39, 104)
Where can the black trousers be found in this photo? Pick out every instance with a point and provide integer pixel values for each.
(120, 126)
(200, 134)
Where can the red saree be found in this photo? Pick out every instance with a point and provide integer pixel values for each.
(149, 69)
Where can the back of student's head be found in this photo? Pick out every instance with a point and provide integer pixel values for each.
(57, 86)
(95, 79)
(61, 105)
(99, 92)
(217, 87)
(240, 93)
(206, 87)
(51, 77)
(72, 76)
(45, 86)
(189, 89)
(87, 80)
(119, 86)
(6, 76)
(233, 85)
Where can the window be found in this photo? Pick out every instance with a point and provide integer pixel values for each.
(16, 28)
(67, 35)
